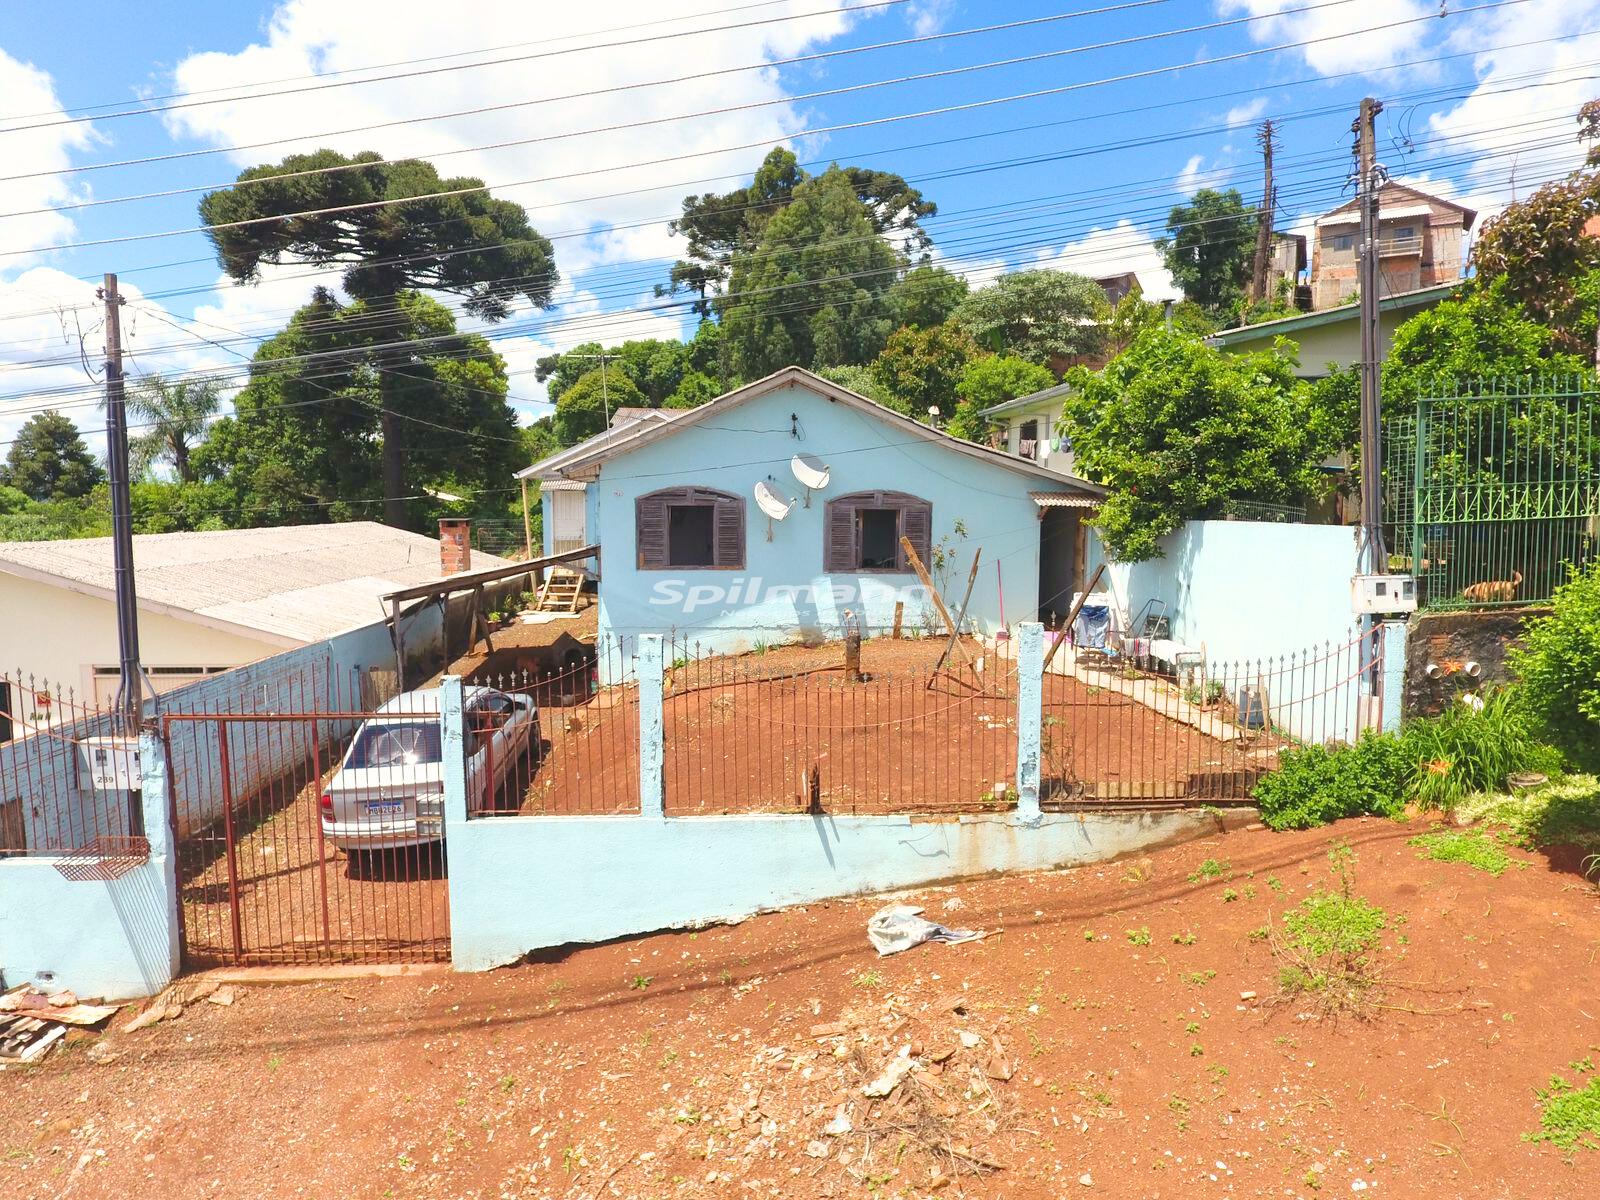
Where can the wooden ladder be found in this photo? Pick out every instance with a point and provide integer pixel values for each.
(562, 591)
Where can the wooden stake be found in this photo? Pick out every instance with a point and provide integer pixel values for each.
(900, 612)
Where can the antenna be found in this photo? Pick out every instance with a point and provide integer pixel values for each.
(812, 473)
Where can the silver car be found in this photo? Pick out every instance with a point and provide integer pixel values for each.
(388, 791)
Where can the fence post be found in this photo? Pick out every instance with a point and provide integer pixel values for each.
(452, 738)
(155, 783)
(1030, 718)
(1392, 645)
(652, 798)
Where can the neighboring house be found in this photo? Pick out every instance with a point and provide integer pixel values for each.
(1331, 337)
(207, 601)
(1421, 243)
(561, 500)
(683, 511)
(1029, 427)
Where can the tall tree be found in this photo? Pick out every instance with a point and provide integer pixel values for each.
(306, 442)
(1053, 318)
(926, 296)
(990, 380)
(48, 460)
(581, 410)
(920, 369)
(719, 226)
(173, 415)
(394, 230)
(815, 289)
(1209, 248)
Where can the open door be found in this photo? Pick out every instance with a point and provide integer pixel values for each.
(1059, 532)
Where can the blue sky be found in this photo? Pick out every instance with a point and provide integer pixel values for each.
(1079, 179)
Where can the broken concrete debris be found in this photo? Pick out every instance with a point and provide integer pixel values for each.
(32, 1021)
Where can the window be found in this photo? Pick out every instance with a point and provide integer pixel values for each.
(403, 743)
(863, 531)
(1342, 242)
(690, 528)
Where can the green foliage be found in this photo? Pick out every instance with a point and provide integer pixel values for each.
(1314, 785)
(581, 411)
(814, 289)
(1569, 1116)
(722, 227)
(654, 369)
(859, 380)
(1133, 314)
(921, 369)
(1565, 812)
(1210, 248)
(1210, 869)
(1329, 940)
(48, 460)
(174, 417)
(1465, 750)
(1471, 847)
(1053, 318)
(1179, 431)
(49, 520)
(991, 379)
(926, 296)
(1558, 668)
(693, 390)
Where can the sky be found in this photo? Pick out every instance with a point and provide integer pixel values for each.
(1061, 141)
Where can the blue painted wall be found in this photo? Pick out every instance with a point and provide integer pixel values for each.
(783, 593)
(116, 939)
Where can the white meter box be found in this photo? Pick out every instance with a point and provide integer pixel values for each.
(111, 764)
(1383, 594)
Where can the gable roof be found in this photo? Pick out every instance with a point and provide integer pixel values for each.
(643, 433)
(549, 468)
(285, 585)
(1420, 298)
(1021, 402)
(1390, 193)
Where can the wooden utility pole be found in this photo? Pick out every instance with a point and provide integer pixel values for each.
(130, 691)
(1266, 135)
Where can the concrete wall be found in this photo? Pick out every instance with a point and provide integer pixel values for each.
(1449, 642)
(116, 939)
(783, 593)
(59, 635)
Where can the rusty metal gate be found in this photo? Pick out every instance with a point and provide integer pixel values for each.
(310, 837)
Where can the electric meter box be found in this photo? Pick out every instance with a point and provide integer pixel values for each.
(1378, 594)
(111, 764)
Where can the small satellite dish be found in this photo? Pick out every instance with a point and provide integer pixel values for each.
(812, 473)
(773, 505)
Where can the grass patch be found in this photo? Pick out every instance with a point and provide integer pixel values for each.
(1563, 813)
(1210, 869)
(1569, 1116)
(1472, 847)
(1327, 944)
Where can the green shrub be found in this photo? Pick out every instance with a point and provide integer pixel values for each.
(1558, 669)
(1471, 847)
(1467, 750)
(1563, 813)
(1314, 785)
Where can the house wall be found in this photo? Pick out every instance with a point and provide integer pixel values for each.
(783, 593)
(1048, 417)
(57, 634)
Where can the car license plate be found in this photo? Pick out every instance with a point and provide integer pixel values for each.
(385, 808)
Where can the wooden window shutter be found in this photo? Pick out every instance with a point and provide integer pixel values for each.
(650, 527)
(916, 525)
(728, 531)
(839, 551)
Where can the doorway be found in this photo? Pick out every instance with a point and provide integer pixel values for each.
(1058, 563)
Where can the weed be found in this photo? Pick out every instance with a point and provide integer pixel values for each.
(1569, 1116)
(1313, 1180)
(508, 1084)
(1196, 1050)
(1199, 978)
(1192, 1028)
(1471, 847)
(724, 976)
(868, 979)
(1210, 869)
(1329, 939)
(1260, 933)
(640, 982)
(1186, 938)
(1217, 1071)
(1139, 937)
(1088, 935)
(1275, 883)
(274, 1062)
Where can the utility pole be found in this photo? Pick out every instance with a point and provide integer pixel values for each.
(130, 691)
(1372, 557)
(1266, 134)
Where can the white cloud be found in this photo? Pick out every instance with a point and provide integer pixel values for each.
(1123, 247)
(332, 35)
(1366, 48)
(928, 16)
(1245, 114)
(29, 90)
(1196, 175)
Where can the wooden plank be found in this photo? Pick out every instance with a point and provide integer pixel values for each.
(899, 617)
(470, 579)
(955, 631)
(1072, 615)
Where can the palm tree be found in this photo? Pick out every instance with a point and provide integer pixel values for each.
(174, 416)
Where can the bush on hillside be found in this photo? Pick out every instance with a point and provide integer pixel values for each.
(1558, 669)
(1314, 785)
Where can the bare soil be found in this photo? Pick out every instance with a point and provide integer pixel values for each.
(710, 1064)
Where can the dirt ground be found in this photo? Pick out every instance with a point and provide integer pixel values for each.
(714, 1063)
(780, 731)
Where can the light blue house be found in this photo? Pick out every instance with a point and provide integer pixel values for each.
(772, 512)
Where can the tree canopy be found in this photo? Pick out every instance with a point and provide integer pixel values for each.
(1210, 248)
(396, 227)
(1053, 318)
(1179, 431)
(174, 416)
(581, 411)
(49, 461)
(920, 369)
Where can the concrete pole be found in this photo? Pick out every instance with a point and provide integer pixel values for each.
(1030, 718)
(453, 739)
(652, 745)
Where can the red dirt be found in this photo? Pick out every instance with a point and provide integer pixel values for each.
(744, 734)
(685, 1064)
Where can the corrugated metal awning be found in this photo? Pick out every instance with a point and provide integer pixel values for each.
(562, 485)
(1064, 500)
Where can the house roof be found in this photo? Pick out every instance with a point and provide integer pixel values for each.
(1420, 298)
(1028, 401)
(287, 586)
(644, 433)
(550, 467)
(1390, 199)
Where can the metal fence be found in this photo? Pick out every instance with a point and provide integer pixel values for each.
(1493, 490)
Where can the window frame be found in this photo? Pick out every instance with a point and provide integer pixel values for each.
(842, 522)
(652, 522)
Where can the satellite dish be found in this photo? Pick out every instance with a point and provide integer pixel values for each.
(772, 504)
(812, 473)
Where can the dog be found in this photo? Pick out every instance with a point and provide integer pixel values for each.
(1492, 590)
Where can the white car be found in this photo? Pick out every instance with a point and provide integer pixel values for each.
(388, 791)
